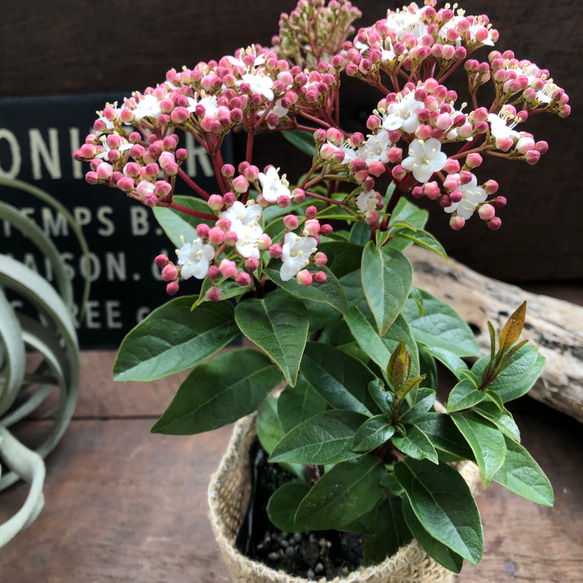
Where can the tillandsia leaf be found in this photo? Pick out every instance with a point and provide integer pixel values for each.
(443, 504)
(421, 238)
(486, 441)
(424, 401)
(382, 397)
(454, 363)
(390, 532)
(372, 433)
(283, 505)
(518, 375)
(330, 292)
(416, 444)
(521, 474)
(325, 438)
(219, 392)
(181, 227)
(338, 378)
(440, 326)
(344, 494)
(500, 417)
(173, 338)
(278, 324)
(464, 396)
(445, 437)
(298, 403)
(512, 329)
(436, 550)
(364, 330)
(303, 141)
(386, 279)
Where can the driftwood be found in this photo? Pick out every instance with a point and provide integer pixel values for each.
(554, 326)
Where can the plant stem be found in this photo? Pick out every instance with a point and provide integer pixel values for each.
(192, 184)
(188, 211)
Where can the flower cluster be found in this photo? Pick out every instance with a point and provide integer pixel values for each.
(419, 135)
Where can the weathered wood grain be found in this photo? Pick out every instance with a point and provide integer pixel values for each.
(554, 326)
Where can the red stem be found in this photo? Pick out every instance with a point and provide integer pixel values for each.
(187, 211)
(192, 184)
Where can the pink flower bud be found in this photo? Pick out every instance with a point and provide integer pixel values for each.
(162, 188)
(91, 178)
(150, 199)
(275, 251)
(172, 288)
(214, 294)
(202, 231)
(215, 202)
(456, 222)
(290, 222)
(455, 196)
(251, 173)
(263, 242)
(228, 268)
(104, 170)
(452, 166)
(229, 199)
(417, 192)
(243, 279)
(311, 212)
(399, 172)
(304, 277)
(152, 170)
(423, 132)
(376, 168)
(251, 264)
(532, 157)
(473, 160)
(320, 277)
(216, 236)
(213, 272)
(283, 201)
(524, 145)
(228, 170)
(499, 202)
(395, 155)
(240, 184)
(298, 195)
(487, 212)
(230, 238)
(224, 224)
(431, 190)
(161, 261)
(320, 259)
(491, 187)
(372, 219)
(494, 224)
(312, 227)
(169, 272)
(542, 146)
(125, 184)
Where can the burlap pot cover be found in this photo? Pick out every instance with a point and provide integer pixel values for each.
(228, 495)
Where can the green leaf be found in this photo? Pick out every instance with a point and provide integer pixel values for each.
(399, 367)
(345, 493)
(219, 392)
(278, 324)
(427, 367)
(464, 396)
(390, 532)
(364, 330)
(436, 550)
(303, 141)
(443, 504)
(298, 403)
(445, 436)
(415, 444)
(424, 402)
(500, 417)
(338, 378)
(283, 505)
(359, 234)
(454, 363)
(422, 238)
(519, 374)
(440, 326)
(407, 211)
(173, 338)
(382, 397)
(386, 278)
(229, 289)
(523, 476)
(486, 441)
(330, 292)
(513, 328)
(325, 438)
(177, 224)
(343, 257)
(269, 428)
(372, 433)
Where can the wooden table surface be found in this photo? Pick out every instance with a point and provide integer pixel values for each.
(123, 505)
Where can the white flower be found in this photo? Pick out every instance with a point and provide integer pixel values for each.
(195, 258)
(376, 148)
(367, 201)
(471, 32)
(148, 106)
(407, 21)
(425, 158)
(402, 114)
(499, 129)
(259, 82)
(295, 254)
(472, 196)
(245, 224)
(272, 186)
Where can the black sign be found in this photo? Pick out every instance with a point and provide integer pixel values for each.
(38, 136)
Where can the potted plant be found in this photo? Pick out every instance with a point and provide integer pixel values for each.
(315, 276)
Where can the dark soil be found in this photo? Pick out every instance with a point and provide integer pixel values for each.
(312, 555)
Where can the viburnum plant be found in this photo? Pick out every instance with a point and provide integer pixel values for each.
(314, 273)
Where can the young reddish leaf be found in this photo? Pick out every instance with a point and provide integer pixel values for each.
(512, 329)
(399, 366)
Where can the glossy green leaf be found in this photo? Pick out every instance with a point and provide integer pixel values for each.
(500, 417)
(464, 396)
(219, 392)
(415, 444)
(518, 376)
(177, 224)
(427, 367)
(454, 363)
(283, 505)
(325, 438)
(343, 257)
(345, 493)
(302, 140)
(338, 378)
(438, 551)
(359, 234)
(440, 326)
(381, 396)
(278, 324)
(372, 433)
(486, 441)
(386, 278)
(443, 504)
(422, 238)
(173, 338)
(268, 426)
(364, 330)
(390, 532)
(330, 292)
(521, 474)
(445, 436)
(298, 403)
(425, 399)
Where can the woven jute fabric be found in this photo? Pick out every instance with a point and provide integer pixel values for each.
(228, 496)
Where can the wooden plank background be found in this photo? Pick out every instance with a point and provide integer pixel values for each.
(123, 45)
